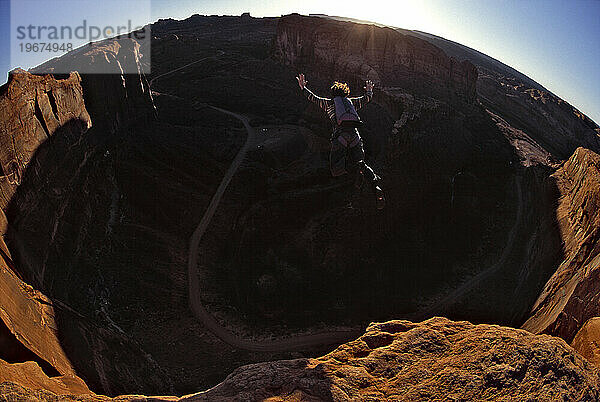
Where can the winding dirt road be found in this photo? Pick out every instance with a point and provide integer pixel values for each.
(301, 341)
(439, 306)
(293, 343)
(221, 53)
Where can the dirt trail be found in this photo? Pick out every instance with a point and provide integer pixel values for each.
(293, 343)
(221, 53)
(439, 306)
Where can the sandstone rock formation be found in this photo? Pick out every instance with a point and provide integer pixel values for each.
(357, 52)
(47, 133)
(437, 359)
(550, 121)
(571, 295)
(587, 341)
(32, 108)
(525, 104)
(117, 92)
(28, 318)
(30, 375)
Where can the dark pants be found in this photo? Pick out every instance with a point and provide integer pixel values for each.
(348, 156)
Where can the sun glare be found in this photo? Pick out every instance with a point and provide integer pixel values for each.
(401, 14)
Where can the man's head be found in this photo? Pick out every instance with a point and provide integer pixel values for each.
(340, 89)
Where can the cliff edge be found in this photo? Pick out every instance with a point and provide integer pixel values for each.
(570, 297)
(401, 360)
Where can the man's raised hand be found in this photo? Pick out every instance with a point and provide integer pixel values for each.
(301, 81)
(369, 86)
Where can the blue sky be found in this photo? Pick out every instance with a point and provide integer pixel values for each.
(555, 42)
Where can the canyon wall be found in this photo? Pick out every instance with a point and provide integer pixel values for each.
(549, 120)
(570, 297)
(587, 340)
(117, 94)
(32, 109)
(54, 162)
(355, 52)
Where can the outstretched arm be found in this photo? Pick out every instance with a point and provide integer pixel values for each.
(317, 100)
(360, 101)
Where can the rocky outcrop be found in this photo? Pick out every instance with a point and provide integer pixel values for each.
(48, 144)
(570, 297)
(30, 375)
(355, 52)
(28, 320)
(29, 337)
(435, 359)
(32, 109)
(587, 341)
(550, 121)
(401, 360)
(525, 104)
(117, 93)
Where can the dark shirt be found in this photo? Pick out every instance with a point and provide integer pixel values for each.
(328, 105)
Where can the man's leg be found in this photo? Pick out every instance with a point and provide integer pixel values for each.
(340, 165)
(337, 158)
(357, 157)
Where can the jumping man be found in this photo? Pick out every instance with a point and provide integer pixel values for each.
(347, 154)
